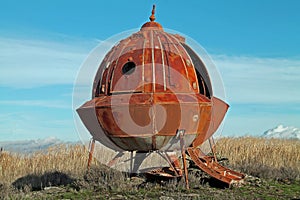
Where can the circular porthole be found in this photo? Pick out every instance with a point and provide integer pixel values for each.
(128, 68)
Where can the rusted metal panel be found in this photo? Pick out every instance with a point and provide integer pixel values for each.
(160, 60)
(117, 125)
(214, 169)
(219, 109)
(88, 116)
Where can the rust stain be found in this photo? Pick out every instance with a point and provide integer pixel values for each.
(150, 87)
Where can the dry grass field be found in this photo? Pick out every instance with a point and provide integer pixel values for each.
(62, 158)
(275, 162)
(267, 158)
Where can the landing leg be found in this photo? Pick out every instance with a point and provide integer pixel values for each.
(173, 161)
(115, 159)
(213, 148)
(131, 163)
(91, 151)
(182, 145)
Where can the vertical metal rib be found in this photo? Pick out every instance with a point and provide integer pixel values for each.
(113, 70)
(143, 65)
(186, 71)
(153, 90)
(107, 75)
(163, 63)
(153, 62)
(198, 81)
(167, 58)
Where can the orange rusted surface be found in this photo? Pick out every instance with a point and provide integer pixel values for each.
(147, 87)
(219, 109)
(152, 92)
(209, 165)
(156, 114)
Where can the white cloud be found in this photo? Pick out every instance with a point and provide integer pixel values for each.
(260, 80)
(37, 103)
(34, 63)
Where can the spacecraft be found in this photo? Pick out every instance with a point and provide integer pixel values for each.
(153, 93)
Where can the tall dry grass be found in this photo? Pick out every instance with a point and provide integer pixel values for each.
(62, 158)
(268, 158)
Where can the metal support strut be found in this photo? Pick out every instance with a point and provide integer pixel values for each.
(131, 162)
(213, 148)
(182, 145)
(91, 151)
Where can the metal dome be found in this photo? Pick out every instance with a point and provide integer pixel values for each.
(152, 92)
(147, 87)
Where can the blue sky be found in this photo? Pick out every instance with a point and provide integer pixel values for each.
(255, 45)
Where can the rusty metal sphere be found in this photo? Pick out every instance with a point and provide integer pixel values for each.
(148, 86)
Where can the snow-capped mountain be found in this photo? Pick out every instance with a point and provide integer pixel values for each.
(29, 146)
(284, 132)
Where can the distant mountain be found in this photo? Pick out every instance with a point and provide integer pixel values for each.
(30, 146)
(288, 132)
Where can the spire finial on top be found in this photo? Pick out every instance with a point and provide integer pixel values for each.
(152, 17)
(152, 24)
